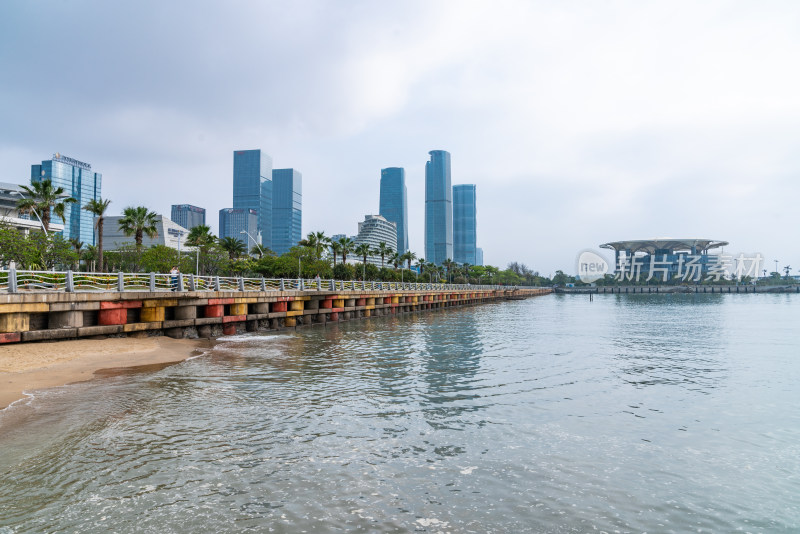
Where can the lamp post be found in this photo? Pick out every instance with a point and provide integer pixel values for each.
(260, 250)
(34, 212)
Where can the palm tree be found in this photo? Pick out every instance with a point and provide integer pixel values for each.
(89, 256)
(396, 260)
(363, 250)
(77, 244)
(448, 264)
(41, 197)
(383, 250)
(409, 257)
(137, 221)
(346, 245)
(201, 237)
(98, 207)
(233, 247)
(336, 248)
(316, 241)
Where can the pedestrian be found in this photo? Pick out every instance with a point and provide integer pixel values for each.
(318, 280)
(174, 273)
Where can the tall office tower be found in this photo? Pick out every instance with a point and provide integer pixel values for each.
(479, 256)
(80, 183)
(287, 209)
(394, 205)
(238, 223)
(464, 224)
(188, 216)
(438, 208)
(252, 188)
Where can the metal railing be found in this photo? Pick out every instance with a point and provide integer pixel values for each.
(17, 281)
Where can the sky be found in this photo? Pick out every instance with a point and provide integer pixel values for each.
(579, 122)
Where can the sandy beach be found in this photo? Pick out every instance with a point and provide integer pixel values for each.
(30, 366)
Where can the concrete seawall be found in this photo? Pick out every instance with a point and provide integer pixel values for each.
(39, 316)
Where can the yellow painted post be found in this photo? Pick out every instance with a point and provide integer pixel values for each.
(239, 309)
(152, 315)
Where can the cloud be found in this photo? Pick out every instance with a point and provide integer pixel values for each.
(579, 122)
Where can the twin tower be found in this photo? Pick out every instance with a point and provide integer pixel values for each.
(450, 212)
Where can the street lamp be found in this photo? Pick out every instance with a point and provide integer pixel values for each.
(261, 250)
(34, 212)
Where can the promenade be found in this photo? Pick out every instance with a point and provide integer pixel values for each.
(180, 309)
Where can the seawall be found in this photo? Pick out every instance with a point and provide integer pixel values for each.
(39, 316)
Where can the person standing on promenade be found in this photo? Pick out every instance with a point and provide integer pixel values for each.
(174, 273)
(318, 280)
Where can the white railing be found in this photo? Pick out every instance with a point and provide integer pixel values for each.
(17, 281)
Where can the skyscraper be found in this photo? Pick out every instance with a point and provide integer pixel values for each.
(394, 205)
(287, 209)
(438, 208)
(188, 216)
(232, 222)
(79, 182)
(464, 224)
(252, 188)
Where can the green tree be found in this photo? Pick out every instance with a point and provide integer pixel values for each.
(98, 207)
(363, 250)
(345, 246)
(409, 257)
(201, 237)
(383, 250)
(77, 244)
(448, 265)
(233, 247)
(317, 242)
(41, 198)
(336, 248)
(138, 221)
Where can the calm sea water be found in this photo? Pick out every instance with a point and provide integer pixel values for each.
(645, 413)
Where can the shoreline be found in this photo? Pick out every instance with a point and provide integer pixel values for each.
(32, 366)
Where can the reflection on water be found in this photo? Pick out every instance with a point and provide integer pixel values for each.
(671, 339)
(657, 413)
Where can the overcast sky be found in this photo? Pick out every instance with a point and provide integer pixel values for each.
(580, 122)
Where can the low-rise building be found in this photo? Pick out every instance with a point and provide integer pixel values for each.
(10, 194)
(169, 234)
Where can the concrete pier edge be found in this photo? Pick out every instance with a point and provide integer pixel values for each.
(47, 316)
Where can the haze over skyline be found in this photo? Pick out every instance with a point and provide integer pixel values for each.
(580, 123)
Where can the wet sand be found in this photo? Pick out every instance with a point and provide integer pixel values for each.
(31, 366)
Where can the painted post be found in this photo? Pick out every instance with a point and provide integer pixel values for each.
(70, 282)
(152, 282)
(120, 281)
(12, 280)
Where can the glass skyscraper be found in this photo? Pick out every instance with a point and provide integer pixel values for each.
(394, 204)
(188, 216)
(79, 182)
(252, 188)
(464, 224)
(438, 208)
(233, 221)
(287, 209)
